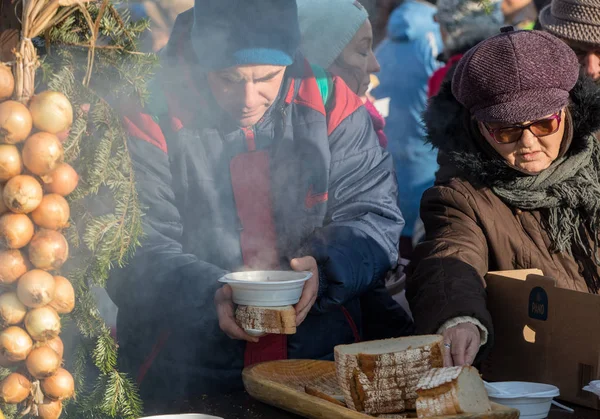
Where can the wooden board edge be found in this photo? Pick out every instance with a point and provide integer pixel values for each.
(260, 388)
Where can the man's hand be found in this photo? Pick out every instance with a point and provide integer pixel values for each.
(225, 311)
(311, 287)
(461, 344)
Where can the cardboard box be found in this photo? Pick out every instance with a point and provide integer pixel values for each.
(543, 334)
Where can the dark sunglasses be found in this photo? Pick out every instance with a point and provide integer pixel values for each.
(513, 133)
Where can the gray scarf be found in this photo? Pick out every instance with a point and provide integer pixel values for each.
(568, 191)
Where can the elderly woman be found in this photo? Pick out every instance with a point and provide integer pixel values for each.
(520, 188)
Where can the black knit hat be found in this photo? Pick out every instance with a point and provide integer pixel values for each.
(516, 76)
(238, 32)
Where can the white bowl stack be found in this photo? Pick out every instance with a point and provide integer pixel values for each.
(533, 400)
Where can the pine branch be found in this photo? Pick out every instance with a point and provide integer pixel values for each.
(105, 353)
(105, 210)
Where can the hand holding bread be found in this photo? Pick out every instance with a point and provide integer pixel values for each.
(226, 315)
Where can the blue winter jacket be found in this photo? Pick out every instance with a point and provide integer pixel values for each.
(307, 179)
(408, 57)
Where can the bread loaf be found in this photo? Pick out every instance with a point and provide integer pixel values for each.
(276, 320)
(382, 376)
(451, 391)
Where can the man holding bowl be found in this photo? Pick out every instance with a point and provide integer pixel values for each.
(260, 162)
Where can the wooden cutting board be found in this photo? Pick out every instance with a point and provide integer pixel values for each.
(283, 384)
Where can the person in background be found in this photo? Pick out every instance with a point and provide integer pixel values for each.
(408, 57)
(564, 19)
(252, 164)
(463, 24)
(336, 35)
(521, 14)
(525, 187)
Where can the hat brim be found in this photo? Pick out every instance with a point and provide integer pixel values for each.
(529, 105)
(574, 31)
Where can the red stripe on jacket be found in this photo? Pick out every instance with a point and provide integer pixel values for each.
(345, 103)
(143, 127)
(309, 94)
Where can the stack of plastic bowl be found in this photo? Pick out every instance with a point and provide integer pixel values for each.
(533, 400)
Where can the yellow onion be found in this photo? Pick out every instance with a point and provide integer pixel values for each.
(12, 266)
(22, 194)
(60, 386)
(49, 409)
(15, 122)
(53, 212)
(62, 180)
(42, 153)
(51, 111)
(42, 323)
(64, 296)
(15, 388)
(42, 362)
(12, 310)
(15, 343)
(7, 82)
(36, 288)
(11, 163)
(56, 344)
(48, 250)
(16, 230)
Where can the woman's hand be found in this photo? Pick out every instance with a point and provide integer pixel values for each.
(461, 344)
(311, 287)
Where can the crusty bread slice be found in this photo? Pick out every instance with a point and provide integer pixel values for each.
(276, 320)
(381, 376)
(451, 391)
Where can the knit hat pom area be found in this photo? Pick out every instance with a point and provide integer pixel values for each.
(516, 76)
(229, 33)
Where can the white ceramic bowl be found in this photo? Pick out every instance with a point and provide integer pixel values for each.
(532, 399)
(183, 416)
(266, 288)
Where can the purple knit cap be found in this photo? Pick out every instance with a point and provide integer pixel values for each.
(516, 76)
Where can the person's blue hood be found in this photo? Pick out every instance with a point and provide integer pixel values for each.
(411, 20)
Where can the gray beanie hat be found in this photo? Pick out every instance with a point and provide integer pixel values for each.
(468, 19)
(327, 26)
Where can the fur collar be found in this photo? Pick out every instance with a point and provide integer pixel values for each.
(450, 129)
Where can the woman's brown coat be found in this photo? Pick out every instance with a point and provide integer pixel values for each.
(471, 231)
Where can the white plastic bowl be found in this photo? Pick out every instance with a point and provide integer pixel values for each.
(533, 400)
(183, 416)
(266, 288)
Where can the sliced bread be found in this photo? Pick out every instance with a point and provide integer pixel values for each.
(382, 376)
(276, 320)
(451, 391)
